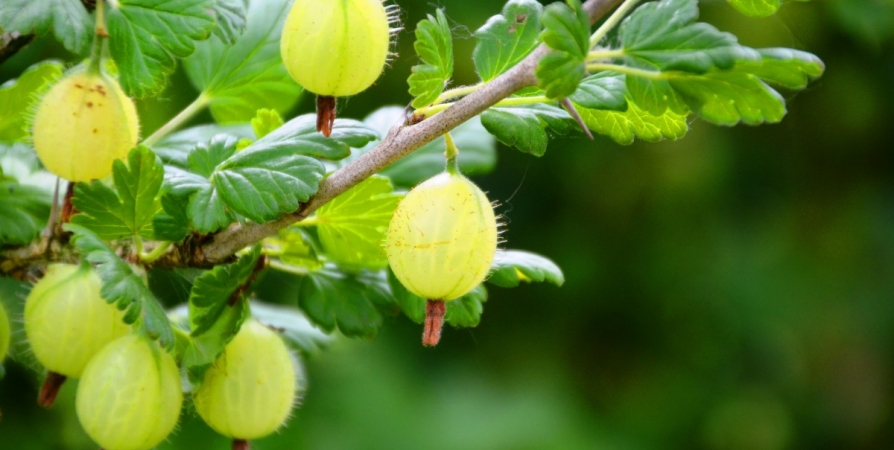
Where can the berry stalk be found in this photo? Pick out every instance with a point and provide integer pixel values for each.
(434, 322)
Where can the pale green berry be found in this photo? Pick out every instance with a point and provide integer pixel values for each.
(83, 124)
(442, 238)
(249, 391)
(4, 333)
(129, 397)
(67, 321)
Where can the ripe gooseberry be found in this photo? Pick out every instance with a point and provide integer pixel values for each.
(129, 397)
(336, 48)
(67, 322)
(83, 124)
(249, 391)
(441, 242)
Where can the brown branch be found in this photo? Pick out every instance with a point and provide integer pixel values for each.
(400, 141)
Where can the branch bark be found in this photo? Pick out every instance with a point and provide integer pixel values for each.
(401, 140)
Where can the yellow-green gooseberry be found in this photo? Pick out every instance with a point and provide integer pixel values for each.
(4, 333)
(67, 322)
(83, 124)
(250, 389)
(129, 397)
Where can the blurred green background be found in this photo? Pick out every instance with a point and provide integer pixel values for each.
(732, 290)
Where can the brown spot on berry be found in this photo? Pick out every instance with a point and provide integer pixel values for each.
(89, 104)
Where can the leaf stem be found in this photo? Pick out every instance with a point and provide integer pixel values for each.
(156, 253)
(600, 55)
(612, 21)
(514, 101)
(652, 75)
(283, 267)
(457, 92)
(188, 113)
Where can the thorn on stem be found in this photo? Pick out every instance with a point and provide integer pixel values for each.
(325, 114)
(50, 389)
(573, 111)
(434, 322)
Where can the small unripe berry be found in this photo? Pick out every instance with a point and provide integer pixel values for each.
(442, 238)
(67, 321)
(129, 397)
(335, 47)
(83, 124)
(249, 391)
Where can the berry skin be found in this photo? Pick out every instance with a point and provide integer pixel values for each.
(66, 320)
(129, 397)
(4, 333)
(249, 391)
(83, 124)
(442, 238)
(335, 48)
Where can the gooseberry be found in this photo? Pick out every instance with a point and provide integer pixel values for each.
(4, 333)
(441, 242)
(129, 396)
(67, 322)
(83, 124)
(249, 391)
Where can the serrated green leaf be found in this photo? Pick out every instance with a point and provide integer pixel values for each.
(350, 302)
(525, 127)
(511, 267)
(248, 75)
(477, 150)
(265, 122)
(207, 211)
(465, 312)
(291, 248)
(122, 285)
(129, 212)
(604, 90)
(213, 292)
(792, 69)
(352, 226)
(664, 35)
(19, 96)
(230, 18)
(175, 148)
(566, 30)
(654, 95)
(145, 37)
(292, 325)
(727, 98)
(173, 223)
(624, 126)
(507, 38)
(67, 19)
(24, 210)
(434, 45)
(204, 347)
(300, 136)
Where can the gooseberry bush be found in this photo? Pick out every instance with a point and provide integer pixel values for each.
(359, 218)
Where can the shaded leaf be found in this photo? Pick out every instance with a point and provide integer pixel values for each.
(507, 38)
(230, 18)
(525, 127)
(24, 210)
(434, 45)
(350, 302)
(66, 19)
(173, 223)
(215, 288)
(176, 147)
(604, 90)
(566, 30)
(511, 267)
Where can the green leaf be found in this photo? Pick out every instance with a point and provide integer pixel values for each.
(434, 45)
(477, 150)
(300, 136)
(352, 226)
(507, 38)
(123, 286)
(204, 347)
(784, 67)
(759, 8)
(19, 97)
(173, 223)
(511, 267)
(24, 210)
(664, 35)
(525, 127)
(215, 290)
(265, 122)
(604, 90)
(292, 325)
(654, 95)
(248, 75)
(624, 126)
(129, 212)
(66, 19)
(230, 18)
(412, 305)
(727, 98)
(465, 312)
(147, 35)
(351, 302)
(291, 248)
(566, 30)
(175, 148)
